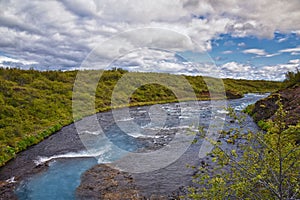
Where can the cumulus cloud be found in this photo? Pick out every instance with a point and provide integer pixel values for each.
(62, 33)
(235, 67)
(277, 72)
(234, 70)
(158, 60)
(250, 72)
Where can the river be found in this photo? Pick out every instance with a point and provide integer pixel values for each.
(63, 157)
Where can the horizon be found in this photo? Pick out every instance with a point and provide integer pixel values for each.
(188, 75)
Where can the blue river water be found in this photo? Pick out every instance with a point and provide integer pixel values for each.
(62, 177)
(58, 182)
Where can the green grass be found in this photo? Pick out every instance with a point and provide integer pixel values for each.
(35, 104)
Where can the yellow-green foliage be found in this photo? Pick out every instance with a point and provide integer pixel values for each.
(35, 104)
(267, 168)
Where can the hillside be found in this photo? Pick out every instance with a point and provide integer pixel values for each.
(35, 104)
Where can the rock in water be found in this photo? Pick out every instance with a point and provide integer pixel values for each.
(104, 182)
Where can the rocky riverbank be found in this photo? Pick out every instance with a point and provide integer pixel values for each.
(290, 97)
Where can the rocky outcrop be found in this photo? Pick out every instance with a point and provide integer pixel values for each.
(233, 95)
(104, 182)
(290, 98)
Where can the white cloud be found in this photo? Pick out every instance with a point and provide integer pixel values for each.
(295, 53)
(271, 55)
(296, 49)
(235, 67)
(260, 17)
(268, 72)
(241, 44)
(282, 39)
(4, 59)
(277, 72)
(238, 70)
(295, 61)
(259, 52)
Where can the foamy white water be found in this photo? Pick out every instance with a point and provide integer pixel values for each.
(82, 154)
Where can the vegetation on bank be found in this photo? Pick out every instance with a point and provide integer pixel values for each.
(35, 104)
(263, 165)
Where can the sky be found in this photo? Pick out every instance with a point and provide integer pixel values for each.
(256, 39)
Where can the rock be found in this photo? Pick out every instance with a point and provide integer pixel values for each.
(104, 182)
(233, 95)
(6, 191)
(290, 98)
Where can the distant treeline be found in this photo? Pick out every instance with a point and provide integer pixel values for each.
(35, 104)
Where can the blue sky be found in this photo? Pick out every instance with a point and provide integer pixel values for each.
(227, 48)
(258, 39)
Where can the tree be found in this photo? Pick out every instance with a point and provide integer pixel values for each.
(292, 78)
(262, 165)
